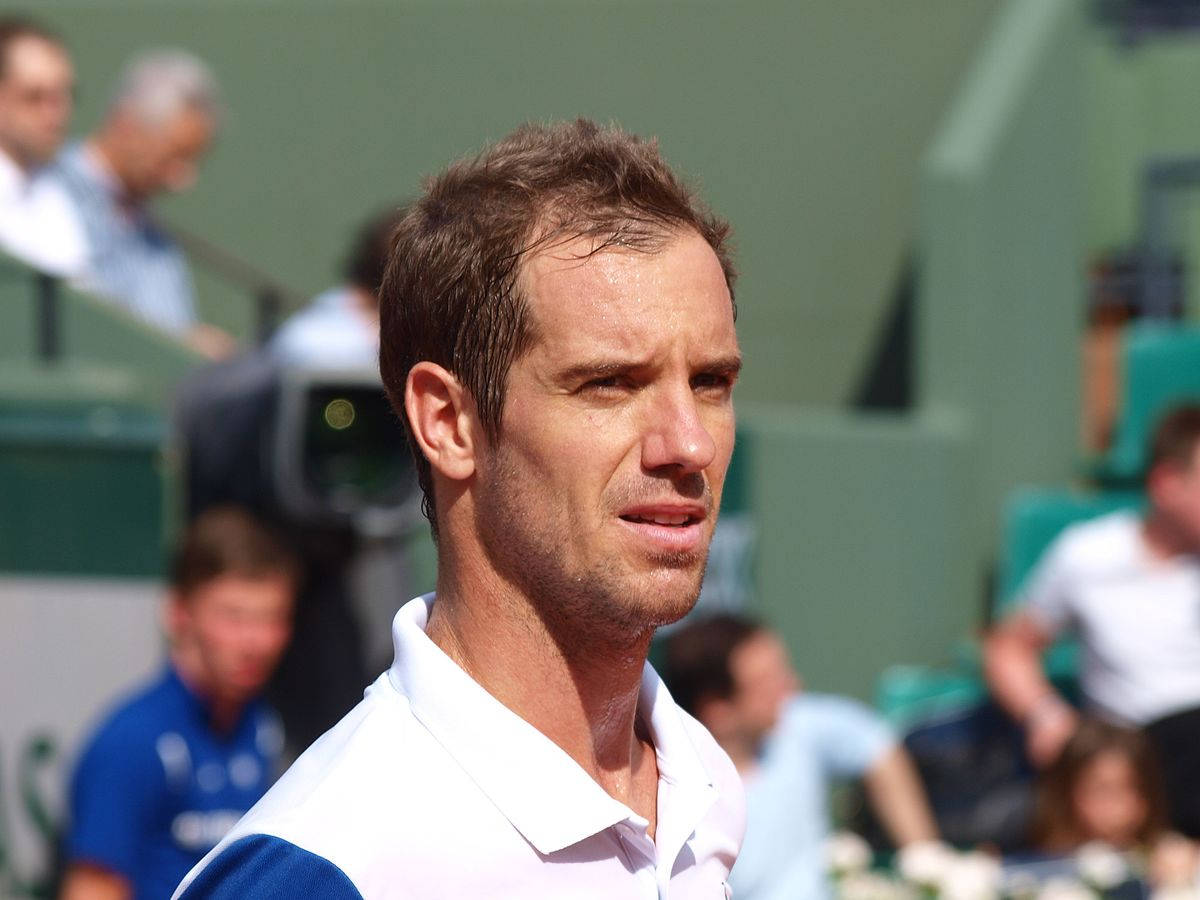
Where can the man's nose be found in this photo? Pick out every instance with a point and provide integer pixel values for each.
(676, 435)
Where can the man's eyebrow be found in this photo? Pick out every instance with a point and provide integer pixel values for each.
(726, 365)
(585, 371)
(601, 368)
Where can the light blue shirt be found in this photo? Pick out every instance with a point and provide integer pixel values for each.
(329, 333)
(132, 261)
(819, 738)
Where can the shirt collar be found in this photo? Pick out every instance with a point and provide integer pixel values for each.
(545, 794)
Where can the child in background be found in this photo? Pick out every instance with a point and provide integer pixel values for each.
(1106, 787)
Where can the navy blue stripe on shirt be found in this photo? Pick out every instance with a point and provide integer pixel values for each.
(263, 867)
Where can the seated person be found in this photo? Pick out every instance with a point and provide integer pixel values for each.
(1129, 586)
(1105, 786)
(172, 768)
(340, 328)
(153, 137)
(734, 676)
(38, 221)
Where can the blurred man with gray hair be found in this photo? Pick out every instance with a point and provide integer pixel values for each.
(158, 127)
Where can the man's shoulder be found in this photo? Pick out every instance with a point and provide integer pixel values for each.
(262, 865)
(1099, 543)
(134, 721)
(364, 786)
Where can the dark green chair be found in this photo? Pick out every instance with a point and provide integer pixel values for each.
(1161, 369)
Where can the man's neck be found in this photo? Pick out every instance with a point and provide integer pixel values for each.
(577, 690)
(100, 147)
(743, 752)
(223, 714)
(22, 165)
(1162, 540)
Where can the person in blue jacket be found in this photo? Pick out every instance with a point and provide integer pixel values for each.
(174, 766)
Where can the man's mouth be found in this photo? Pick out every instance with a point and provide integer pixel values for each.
(674, 520)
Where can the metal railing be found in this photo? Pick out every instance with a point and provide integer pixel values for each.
(268, 294)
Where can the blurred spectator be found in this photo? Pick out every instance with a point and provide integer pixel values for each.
(157, 128)
(735, 677)
(1129, 587)
(340, 328)
(1105, 786)
(174, 767)
(38, 222)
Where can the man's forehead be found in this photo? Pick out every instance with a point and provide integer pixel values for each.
(585, 271)
(31, 55)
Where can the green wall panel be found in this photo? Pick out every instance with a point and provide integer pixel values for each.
(803, 121)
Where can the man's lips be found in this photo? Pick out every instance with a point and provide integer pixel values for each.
(673, 527)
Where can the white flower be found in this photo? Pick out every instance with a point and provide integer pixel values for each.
(1101, 866)
(925, 863)
(1065, 889)
(972, 876)
(1021, 885)
(871, 886)
(1176, 893)
(847, 852)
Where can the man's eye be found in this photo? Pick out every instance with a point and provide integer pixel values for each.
(711, 382)
(608, 383)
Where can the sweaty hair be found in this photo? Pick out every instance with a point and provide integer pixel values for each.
(159, 84)
(15, 28)
(368, 256)
(696, 666)
(1175, 437)
(1056, 827)
(227, 540)
(450, 294)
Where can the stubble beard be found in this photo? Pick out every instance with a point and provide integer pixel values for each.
(604, 602)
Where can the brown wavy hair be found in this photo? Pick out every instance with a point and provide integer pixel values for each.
(1055, 825)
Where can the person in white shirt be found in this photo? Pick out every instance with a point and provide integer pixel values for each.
(38, 222)
(557, 336)
(1129, 586)
(339, 329)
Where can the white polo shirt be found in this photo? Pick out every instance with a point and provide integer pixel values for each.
(1137, 617)
(432, 788)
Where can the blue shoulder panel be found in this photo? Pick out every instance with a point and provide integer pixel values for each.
(263, 867)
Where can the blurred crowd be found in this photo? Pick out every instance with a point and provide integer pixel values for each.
(1107, 761)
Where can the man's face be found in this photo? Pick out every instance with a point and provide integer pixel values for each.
(1176, 496)
(238, 627)
(600, 496)
(36, 100)
(763, 680)
(165, 156)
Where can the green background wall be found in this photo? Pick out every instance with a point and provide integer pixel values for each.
(803, 120)
(826, 132)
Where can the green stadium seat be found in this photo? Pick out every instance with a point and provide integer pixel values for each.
(1161, 370)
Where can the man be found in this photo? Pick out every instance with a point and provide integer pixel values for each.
(174, 767)
(735, 676)
(557, 334)
(340, 328)
(38, 222)
(157, 129)
(1129, 586)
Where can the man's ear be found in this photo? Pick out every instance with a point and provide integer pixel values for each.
(442, 417)
(174, 615)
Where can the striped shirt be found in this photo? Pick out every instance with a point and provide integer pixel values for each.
(132, 262)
